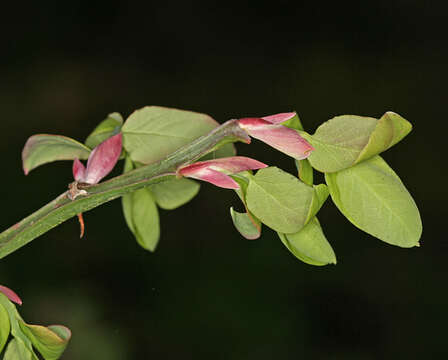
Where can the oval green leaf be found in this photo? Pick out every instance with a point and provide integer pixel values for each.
(107, 128)
(141, 215)
(5, 327)
(310, 245)
(279, 200)
(247, 226)
(42, 148)
(373, 198)
(348, 139)
(153, 132)
(172, 193)
(49, 341)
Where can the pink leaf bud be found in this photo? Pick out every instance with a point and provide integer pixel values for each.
(269, 130)
(101, 161)
(11, 295)
(217, 171)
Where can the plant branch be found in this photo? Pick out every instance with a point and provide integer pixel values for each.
(62, 208)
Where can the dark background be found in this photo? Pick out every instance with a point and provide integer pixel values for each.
(206, 292)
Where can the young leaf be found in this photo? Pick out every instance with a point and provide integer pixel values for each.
(14, 318)
(108, 127)
(49, 341)
(375, 200)
(172, 193)
(5, 327)
(153, 132)
(246, 223)
(305, 171)
(142, 217)
(42, 148)
(320, 195)
(17, 350)
(279, 200)
(348, 139)
(310, 245)
(247, 226)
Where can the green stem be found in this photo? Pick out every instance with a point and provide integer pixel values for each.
(62, 208)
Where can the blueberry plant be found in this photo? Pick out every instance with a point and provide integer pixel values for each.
(165, 150)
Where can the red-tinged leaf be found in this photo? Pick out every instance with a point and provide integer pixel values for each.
(279, 118)
(11, 295)
(103, 159)
(79, 170)
(279, 137)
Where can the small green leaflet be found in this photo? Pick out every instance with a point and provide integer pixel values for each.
(42, 148)
(141, 215)
(247, 226)
(310, 245)
(153, 132)
(348, 140)
(107, 128)
(246, 223)
(305, 171)
(375, 200)
(172, 193)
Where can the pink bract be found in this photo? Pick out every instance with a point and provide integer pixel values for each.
(101, 161)
(269, 130)
(11, 295)
(217, 171)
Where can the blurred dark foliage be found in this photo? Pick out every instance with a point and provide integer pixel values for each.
(207, 292)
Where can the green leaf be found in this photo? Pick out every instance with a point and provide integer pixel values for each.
(107, 128)
(246, 223)
(153, 132)
(247, 226)
(142, 217)
(42, 148)
(126, 200)
(305, 171)
(320, 195)
(17, 350)
(172, 193)
(375, 200)
(5, 327)
(279, 200)
(49, 341)
(310, 245)
(348, 139)
(14, 318)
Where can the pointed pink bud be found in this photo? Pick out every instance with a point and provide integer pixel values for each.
(79, 171)
(216, 171)
(279, 118)
(11, 295)
(101, 161)
(278, 136)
